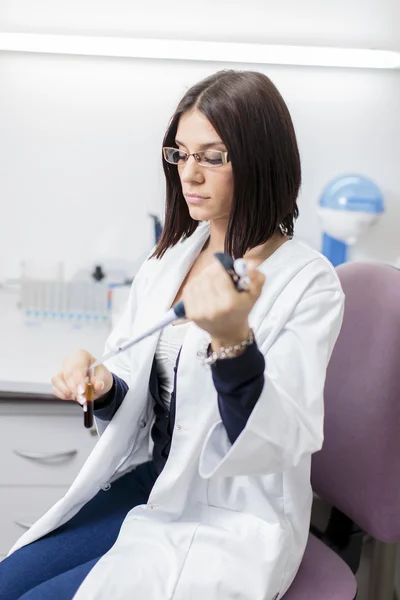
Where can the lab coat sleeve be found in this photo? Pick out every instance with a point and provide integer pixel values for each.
(287, 420)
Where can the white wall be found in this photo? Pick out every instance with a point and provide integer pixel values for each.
(80, 137)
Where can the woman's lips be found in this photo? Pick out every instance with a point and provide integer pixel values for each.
(195, 198)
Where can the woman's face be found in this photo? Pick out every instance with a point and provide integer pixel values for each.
(208, 191)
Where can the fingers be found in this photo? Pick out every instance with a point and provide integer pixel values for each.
(219, 274)
(222, 282)
(75, 381)
(98, 384)
(213, 293)
(70, 382)
(203, 297)
(60, 388)
(56, 392)
(101, 379)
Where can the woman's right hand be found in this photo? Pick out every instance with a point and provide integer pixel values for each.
(69, 383)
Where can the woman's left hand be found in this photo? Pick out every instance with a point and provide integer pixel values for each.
(213, 303)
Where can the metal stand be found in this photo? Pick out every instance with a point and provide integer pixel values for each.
(382, 575)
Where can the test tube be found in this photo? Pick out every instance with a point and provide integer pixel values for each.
(88, 406)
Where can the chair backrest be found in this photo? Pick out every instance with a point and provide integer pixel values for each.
(358, 469)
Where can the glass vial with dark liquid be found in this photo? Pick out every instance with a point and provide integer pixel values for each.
(88, 408)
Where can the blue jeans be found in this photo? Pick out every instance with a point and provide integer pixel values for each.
(55, 565)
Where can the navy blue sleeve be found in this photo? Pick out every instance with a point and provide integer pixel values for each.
(239, 382)
(106, 408)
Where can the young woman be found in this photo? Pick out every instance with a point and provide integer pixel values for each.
(199, 486)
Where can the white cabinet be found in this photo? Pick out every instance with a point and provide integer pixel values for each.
(20, 507)
(43, 445)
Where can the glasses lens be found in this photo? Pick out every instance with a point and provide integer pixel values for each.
(174, 156)
(211, 158)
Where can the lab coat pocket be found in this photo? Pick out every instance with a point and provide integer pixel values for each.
(235, 555)
(248, 511)
(259, 495)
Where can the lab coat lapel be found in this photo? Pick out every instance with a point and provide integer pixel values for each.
(171, 274)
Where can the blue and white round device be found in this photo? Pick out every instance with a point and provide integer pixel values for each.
(348, 205)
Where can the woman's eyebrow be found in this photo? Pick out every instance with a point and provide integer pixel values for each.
(202, 146)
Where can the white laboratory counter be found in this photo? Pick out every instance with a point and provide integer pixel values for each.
(31, 354)
(43, 443)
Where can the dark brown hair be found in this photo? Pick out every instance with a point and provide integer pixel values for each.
(254, 123)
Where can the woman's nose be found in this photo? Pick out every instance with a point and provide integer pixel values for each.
(191, 170)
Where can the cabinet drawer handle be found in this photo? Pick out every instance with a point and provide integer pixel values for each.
(23, 524)
(46, 456)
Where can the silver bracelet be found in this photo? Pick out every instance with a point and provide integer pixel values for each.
(209, 358)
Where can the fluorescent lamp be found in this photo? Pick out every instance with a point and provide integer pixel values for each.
(225, 52)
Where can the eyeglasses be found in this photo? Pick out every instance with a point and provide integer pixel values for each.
(205, 158)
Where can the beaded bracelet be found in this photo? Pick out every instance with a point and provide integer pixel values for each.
(209, 358)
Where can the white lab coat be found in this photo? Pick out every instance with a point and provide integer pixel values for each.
(222, 521)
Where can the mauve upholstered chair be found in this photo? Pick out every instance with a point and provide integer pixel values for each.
(358, 468)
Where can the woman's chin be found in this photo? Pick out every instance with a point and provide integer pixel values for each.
(199, 213)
